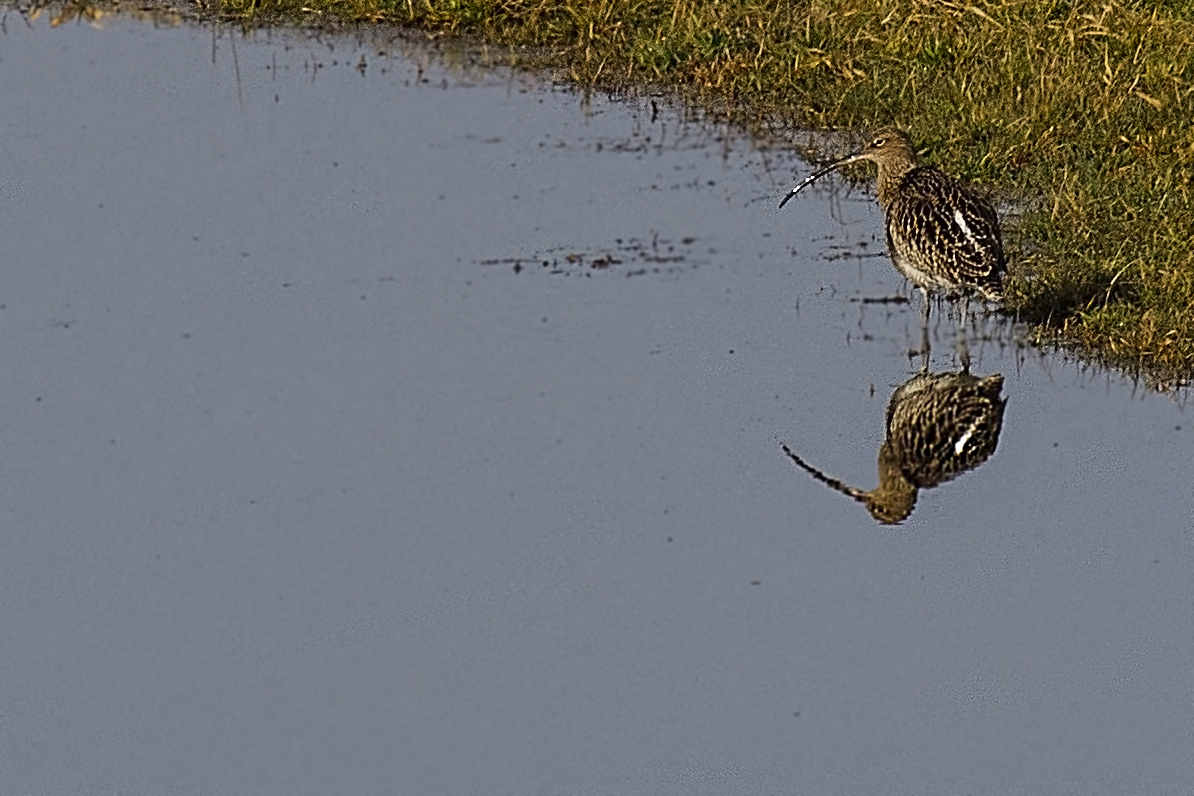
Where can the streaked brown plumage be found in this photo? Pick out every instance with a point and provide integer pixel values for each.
(941, 234)
(939, 425)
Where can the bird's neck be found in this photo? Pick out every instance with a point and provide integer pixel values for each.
(895, 497)
(890, 177)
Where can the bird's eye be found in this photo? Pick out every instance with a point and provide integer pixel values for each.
(878, 142)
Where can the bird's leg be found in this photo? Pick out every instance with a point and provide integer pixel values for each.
(924, 326)
(962, 348)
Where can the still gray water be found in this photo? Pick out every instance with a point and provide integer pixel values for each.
(374, 424)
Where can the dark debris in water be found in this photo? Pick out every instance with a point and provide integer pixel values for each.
(630, 256)
(881, 299)
(857, 251)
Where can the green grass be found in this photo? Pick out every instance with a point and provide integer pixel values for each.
(1079, 111)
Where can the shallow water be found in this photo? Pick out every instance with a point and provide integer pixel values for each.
(417, 429)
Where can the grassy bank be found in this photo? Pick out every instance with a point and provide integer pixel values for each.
(1082, 111)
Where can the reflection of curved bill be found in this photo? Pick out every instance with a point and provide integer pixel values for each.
(939, 425)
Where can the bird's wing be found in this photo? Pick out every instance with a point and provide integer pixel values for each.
(948, 428)
(951, 226)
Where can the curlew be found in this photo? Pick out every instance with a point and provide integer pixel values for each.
(941, 234)
(939, 425)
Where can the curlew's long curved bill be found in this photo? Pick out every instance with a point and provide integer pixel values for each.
(845, 489)
(818, 174)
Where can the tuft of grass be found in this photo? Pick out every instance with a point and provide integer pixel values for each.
(1079, 111)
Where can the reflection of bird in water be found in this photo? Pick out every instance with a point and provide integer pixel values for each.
(939, 425)
(942, 236)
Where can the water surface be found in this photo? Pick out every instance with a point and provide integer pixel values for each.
(416, 429)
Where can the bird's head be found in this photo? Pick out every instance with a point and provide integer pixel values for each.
(889, 148)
